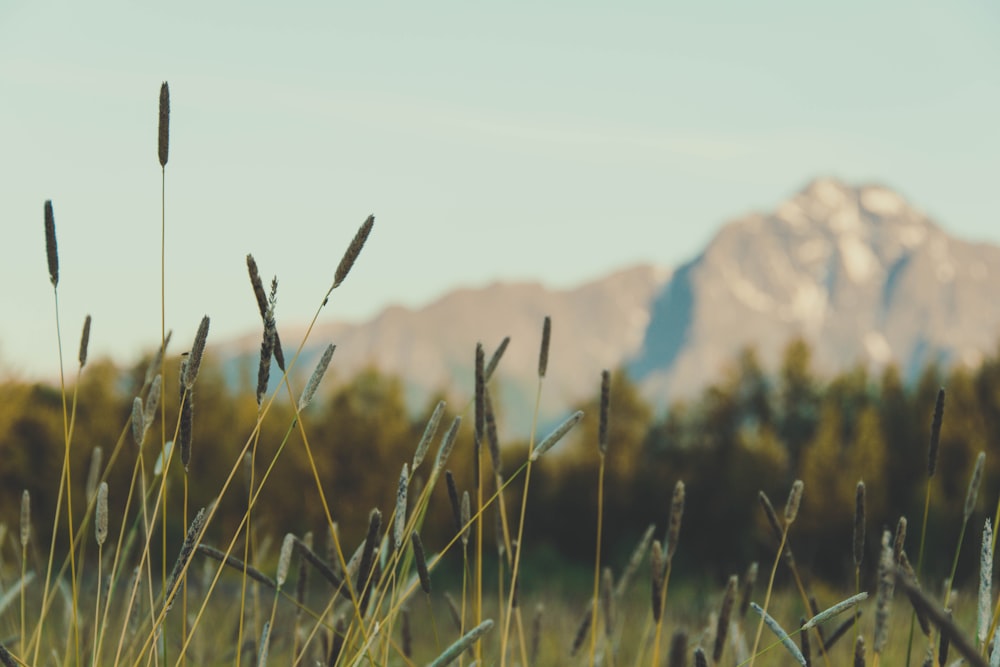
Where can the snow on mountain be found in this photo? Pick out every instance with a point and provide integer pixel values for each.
(857, 271)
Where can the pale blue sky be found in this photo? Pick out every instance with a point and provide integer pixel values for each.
(549, 141)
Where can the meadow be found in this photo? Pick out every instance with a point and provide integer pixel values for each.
(144, 560)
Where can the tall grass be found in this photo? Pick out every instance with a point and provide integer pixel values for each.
(378, 603)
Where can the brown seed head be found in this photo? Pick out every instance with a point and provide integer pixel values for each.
(138, 422)
(676, 514)
(602, 430)
(556, 435)
(399, 522)
(972, 493)
(185, 433)
(456, 504)
(886, 575)
(447, 443)
(725, 613)
(492, 440)
(194, 357)
(101, 514)
(266, 348)
(163, 136)
(495, 359)
(84, 341)
(657, 563)
(420, 560)
(899, 541)
(543, 355)
(25, 518)
(429, 432)
(480, 394)
(51, 252)
(466, 517)
(932, 452)
(317, 376)
(793, 502)
(678, 649)
(353, 250)
(285, 559)
(859, 524)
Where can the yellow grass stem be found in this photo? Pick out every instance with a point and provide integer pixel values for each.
(767, 595)
(597, 561)
(520, 522)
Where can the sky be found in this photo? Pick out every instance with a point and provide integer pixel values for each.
(544, 141)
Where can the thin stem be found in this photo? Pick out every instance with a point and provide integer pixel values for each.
(767, 596)
(597, 561)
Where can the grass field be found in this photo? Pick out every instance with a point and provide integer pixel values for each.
(128, 588)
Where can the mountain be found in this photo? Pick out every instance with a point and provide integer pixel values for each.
(597, 325)
(858, 272)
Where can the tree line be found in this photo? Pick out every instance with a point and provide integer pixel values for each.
(750, 431)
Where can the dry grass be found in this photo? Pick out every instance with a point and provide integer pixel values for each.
(218, 603)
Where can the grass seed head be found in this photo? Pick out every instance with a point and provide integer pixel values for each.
(194, 357)
(602, 430)
(185, 432)
(543, 354)
(353, 250)
(447, 443)
(555, 436)
(101, 514)
(420, 560)
(932, 452)
(657, 564)
(886, 579)
(749, 579)
(480, 394)
(972, 493)
(317, 376)
(285, 559)
(399, 522)
(163, 135)
(677, 657)
(676, 515)
(51, 251)
(138, 422)
(494, 361)
(456, 503)
(793, 502)
(899, 542)
(187, 548)
(25, 518)
(152, 401)
(725, 613)
(84, 341)
(466, 516)
(492, 439)
(429, 432)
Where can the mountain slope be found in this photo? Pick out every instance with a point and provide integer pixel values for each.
(858, 272)
(597, 325)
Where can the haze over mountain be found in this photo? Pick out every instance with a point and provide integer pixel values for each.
(859, 272)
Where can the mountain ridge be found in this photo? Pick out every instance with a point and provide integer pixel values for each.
(859, 272)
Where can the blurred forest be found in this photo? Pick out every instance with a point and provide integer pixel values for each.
(747, 432)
